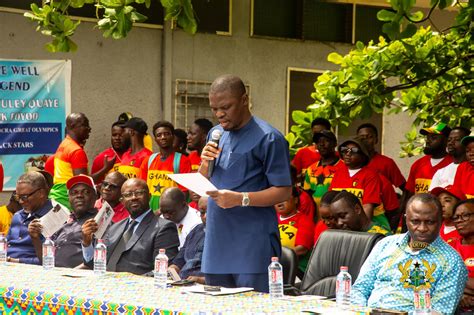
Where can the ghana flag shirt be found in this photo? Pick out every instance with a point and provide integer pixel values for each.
(130, 166)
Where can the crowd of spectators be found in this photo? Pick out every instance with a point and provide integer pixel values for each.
(336, 185)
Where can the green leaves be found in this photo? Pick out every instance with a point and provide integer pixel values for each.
(425, 74)
(117, 20)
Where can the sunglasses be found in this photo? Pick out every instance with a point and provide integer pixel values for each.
(346, 150)
(109, 185)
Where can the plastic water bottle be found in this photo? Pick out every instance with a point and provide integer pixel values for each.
(343, 287)
(275, 279)
(422, 302)
(161, 269)
(48, 254)
(100, 258)
(3, 249)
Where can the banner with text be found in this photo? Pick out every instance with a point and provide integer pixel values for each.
(35, 97)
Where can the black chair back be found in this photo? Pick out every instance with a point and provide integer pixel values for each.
(289, 262)
(336, 248)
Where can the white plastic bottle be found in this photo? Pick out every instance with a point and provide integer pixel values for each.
(422, 302)
(161, 269)
(48, 254)
(100, 258)
(275, 279)
(343, 287)
(3, 249)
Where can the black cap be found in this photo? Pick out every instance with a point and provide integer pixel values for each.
(136, 124)
(357, 141)
(326, 134)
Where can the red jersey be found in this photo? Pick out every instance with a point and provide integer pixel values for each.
(296, 230)
(365, 184)
(320, 228)
(388, 196)
(98, 162)
(387, 167)
(467, 254)
(304, 157)
(421, 173)
(130, 166)
(155, 171)
(195, 160)
(449, 236)
(49, 165)
(464, 179)
(307, 206)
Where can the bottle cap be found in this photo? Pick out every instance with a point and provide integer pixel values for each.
(100, 240)
(162, 250)
(344, 268)
(274, 259)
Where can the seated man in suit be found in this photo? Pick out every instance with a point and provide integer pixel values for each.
(188, 261)
(133, 243)
(347, 211)
(399, 265)
(173, 207)
(82, 196)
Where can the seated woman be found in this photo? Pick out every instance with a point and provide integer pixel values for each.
(448, 197)
(296, 229)
(463, 219)
(327, 220)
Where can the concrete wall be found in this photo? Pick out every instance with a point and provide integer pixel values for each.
(138, 74)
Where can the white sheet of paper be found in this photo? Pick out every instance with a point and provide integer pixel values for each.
(194, 181)
(224, 291)
(54, 219)
(103, 219)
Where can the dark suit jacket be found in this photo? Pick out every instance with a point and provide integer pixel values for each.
(139, 255)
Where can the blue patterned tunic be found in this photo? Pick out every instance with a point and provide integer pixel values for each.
(393, 270)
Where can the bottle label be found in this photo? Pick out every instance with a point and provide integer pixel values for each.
(100, 254)
(3, 246)
(422, 299)
(343, 285)
(161, 266)
(275, 276)
(48, 251)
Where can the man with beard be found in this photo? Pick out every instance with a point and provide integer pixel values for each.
(155, 169)
(67, 240)
(423, 170)
(134, 131)
(120, 144)
(445, 176)
(70, 158)
(400, 265)
(252, 173)
(197, 140)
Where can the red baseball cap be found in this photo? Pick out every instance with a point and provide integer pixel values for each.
(450, 189)
(80, 179)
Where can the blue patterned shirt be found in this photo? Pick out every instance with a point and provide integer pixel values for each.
(393, 270)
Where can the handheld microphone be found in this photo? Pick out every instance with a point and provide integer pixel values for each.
(215, 137)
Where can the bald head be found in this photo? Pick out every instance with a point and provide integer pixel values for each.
(173, 204)
(73, 118)
(228, 82)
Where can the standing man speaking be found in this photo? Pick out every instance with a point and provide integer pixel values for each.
(252, 173)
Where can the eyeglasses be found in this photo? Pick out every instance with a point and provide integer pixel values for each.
(132, 194)
(25, 197)
(462, 217)
(109, 185)
(346, 150)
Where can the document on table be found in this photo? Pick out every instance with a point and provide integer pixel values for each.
(103, 219)
(224, 291)
(54, 220)
(194, 181)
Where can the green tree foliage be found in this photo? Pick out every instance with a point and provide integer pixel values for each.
(427, 74)
(116, 18)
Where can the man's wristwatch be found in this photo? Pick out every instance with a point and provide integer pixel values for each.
(245, 199)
